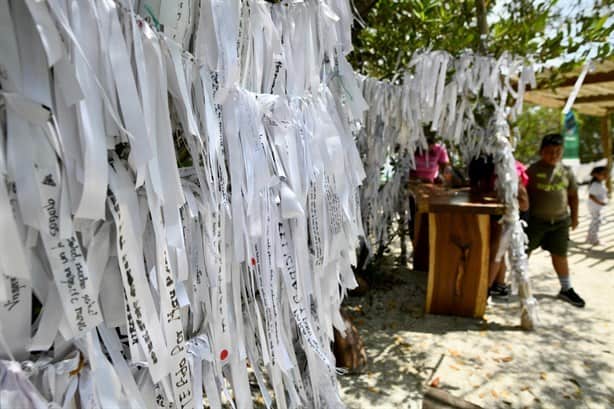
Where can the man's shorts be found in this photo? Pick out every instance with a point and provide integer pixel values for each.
(552, 236)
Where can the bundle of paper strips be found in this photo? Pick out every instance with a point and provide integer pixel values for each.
(465, 100)
(179, 201)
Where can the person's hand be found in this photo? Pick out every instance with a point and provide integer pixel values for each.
(574, 223)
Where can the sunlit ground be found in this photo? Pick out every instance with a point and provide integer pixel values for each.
(567, 363)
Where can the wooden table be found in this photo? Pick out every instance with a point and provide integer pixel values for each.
(452, 227)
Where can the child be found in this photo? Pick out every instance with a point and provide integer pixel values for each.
(482, 179)
(598, 198)
(553, 194)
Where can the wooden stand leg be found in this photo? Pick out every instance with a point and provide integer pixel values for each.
(432, 265)
(482, 293)
(421, 241)
(458, 264)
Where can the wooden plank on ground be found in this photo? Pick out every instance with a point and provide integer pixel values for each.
(435, 398)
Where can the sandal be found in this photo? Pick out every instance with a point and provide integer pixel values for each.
(499, 290)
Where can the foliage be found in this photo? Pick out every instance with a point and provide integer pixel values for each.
(533, 124)
(591, 148)
(537, 121)
(542, 30)
(395, 29)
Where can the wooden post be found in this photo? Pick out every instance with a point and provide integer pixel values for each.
(606, 143)
(440, 399)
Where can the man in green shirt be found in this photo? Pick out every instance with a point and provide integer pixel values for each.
(553, 198)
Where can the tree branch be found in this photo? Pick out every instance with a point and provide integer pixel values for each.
(480, 11)
(363, 7)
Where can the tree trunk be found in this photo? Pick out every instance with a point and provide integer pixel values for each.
(480, 11)
(349, 348)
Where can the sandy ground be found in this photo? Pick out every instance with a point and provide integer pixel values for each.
(567, 363)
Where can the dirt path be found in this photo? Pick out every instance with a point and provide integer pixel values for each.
(567, 363)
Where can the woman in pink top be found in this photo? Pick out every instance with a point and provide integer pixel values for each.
(430, 163)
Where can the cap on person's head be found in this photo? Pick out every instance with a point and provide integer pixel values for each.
(552, 139)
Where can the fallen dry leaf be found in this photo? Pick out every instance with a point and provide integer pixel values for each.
(453, 352)
(543, 375)
(507, 359)
(401, 341)
(525, 388)
(435, 382)
(373, 389)
(494, 394)
(572, 380)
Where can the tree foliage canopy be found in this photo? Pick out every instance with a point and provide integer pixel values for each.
(542, 30)
(535, 122)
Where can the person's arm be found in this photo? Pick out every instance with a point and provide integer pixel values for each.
(594, 199)
(572, 198)
(444, 159)
(444, 165)
(523, 198)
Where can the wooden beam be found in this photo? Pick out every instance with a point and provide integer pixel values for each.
(589, 79)
(440, 399)
(598, 88)
(590, 109)
(589, 99)
(541, 99)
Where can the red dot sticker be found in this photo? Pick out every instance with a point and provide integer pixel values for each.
(253, 261)
(224, 354)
